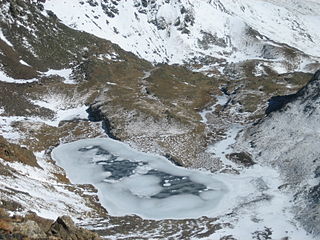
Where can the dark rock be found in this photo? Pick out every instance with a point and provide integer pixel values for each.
(209, 40)
(30, 229)
(177, 22)
(14, 153)
(64, 228)
(92, 3)
(278, 102)
(95, 115)
(173, 159)
(144, 3)
(269, 52)
(10, 205)
(241, 158)
(314, 194)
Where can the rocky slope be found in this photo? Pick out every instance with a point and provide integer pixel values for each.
(288, 140)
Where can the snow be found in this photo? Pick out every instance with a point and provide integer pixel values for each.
(3, 38)
(63, 109)
(221, 100)
(6, 130)
(283, 22)
(253, 197)
(5, 78)
(111, 83)
(273, 212)
(37, 191)
(112, 57)
(24, 63)
(63, 73)
(224, 147)
(283, 141)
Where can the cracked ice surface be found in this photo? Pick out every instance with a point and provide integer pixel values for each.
(132, 182)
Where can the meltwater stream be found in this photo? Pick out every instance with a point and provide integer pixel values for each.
(132, 182)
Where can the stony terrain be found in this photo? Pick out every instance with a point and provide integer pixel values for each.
(31, 226)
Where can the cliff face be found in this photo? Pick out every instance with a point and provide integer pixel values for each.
(288, 139)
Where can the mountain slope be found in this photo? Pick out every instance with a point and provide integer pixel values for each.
(59, 85)
(206, 32)
(288, 139)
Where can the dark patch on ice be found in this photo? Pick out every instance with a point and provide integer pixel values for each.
(118, 168)
(176, 185)
(121, 168)
(317, 172)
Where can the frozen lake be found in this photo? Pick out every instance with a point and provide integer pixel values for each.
(132, 182)
(150, 186)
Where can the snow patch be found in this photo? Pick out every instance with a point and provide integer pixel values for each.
(6, 130)
(221, 100)
(224, 147)
(5, 78)
(37, 191)
(63, 73)
(63, 109)
(3, 38)
(24, 63)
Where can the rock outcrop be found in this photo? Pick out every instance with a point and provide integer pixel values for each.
(33, 227)
(12, 152)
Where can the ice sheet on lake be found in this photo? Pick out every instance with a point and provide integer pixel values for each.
(132, 182)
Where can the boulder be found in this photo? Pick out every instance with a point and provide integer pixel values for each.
(65, 229)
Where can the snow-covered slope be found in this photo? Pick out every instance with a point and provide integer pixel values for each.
(202, 31)
(288, 139)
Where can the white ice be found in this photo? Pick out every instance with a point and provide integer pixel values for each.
(132, 195)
